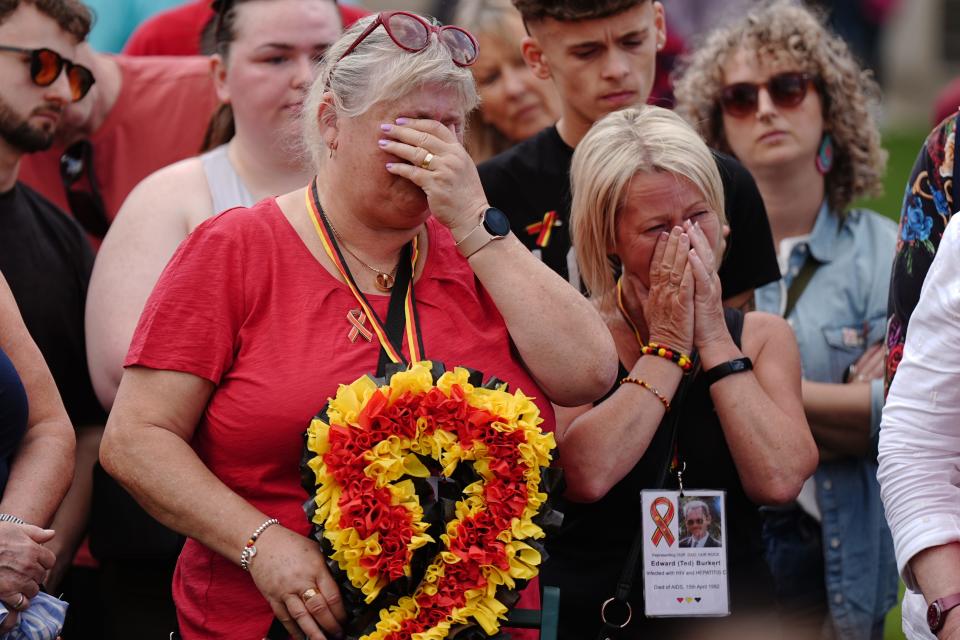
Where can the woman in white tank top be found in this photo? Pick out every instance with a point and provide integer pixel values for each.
(266, 54)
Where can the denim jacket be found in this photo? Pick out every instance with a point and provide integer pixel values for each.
(840, 313)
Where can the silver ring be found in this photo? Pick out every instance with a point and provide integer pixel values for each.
(19, 605)
(427, 159)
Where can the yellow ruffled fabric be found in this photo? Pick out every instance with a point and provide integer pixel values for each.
(395, 457)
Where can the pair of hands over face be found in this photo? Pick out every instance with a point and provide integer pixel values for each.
(684, 306)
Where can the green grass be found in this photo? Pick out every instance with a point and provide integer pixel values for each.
(903, 146)
(892, 629)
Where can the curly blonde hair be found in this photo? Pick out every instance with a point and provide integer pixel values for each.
(784, 31)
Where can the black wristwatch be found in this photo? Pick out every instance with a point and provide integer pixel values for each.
(938, 609)
(493, 225)
(721, 371)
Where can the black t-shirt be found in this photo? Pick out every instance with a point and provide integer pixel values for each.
(599, 535)
(46, 259)
(532, 179)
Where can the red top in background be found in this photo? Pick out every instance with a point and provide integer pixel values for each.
(176, 32)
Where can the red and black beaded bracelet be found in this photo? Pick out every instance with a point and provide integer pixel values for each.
(682, 360)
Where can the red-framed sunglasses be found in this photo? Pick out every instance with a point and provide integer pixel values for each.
(45, 68)
(411, 33)
(787, 90)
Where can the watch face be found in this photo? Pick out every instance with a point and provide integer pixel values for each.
(933, 617)
(496, 222)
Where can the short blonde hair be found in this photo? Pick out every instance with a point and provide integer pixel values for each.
(786, 31)
(624, 143)
(378, 70)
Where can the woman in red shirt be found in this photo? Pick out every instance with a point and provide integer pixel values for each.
(251, 327)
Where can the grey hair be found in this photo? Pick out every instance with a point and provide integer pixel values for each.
(695, 504)
(378, 70)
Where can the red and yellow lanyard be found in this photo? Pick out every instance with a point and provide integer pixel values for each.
(394, 352)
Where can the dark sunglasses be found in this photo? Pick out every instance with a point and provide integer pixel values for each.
(411, 33)
(786, 90)
(45, 68)
(694, 521)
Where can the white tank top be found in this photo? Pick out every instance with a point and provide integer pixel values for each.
(226, 188)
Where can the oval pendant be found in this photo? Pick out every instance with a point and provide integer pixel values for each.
(384, 281)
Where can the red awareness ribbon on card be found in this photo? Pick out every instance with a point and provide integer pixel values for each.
(543, 228)
(357, 317)
(662, 521)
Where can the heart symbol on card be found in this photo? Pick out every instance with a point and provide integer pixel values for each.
(680, 600)
(698, 598)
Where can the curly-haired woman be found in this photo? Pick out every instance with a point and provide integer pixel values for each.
(788, 99)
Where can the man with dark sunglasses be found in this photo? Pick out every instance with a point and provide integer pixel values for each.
(144, 113)
(601, 56)
(44, 255)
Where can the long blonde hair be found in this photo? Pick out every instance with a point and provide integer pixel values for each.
(624, 143)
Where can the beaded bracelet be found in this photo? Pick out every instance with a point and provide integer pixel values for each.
(649, 387)
(6, 517)
(249, 550)
(680, 359)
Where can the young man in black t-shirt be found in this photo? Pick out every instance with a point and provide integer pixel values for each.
(601, 57)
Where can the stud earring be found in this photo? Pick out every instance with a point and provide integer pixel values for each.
(825, 155)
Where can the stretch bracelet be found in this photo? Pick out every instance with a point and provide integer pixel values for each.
(649, 387)
(6, 517)
(682, 360)
(249, 550)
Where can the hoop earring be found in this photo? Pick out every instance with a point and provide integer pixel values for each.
(825, 155)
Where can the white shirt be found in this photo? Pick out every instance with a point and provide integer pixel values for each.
(920, 429)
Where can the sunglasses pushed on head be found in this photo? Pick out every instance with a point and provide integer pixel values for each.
(412, 33)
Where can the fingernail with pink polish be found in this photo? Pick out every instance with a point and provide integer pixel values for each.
(383, 142)
(386, 127)
(401, 121)
(389, 165)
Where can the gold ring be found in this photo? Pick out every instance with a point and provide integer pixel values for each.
(19, 605)
(309, 593)
(427, 159)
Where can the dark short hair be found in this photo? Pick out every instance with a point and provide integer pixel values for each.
(571, 10)
(72, 15)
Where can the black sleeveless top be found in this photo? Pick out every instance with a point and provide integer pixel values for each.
(13, 415)
(588, 555)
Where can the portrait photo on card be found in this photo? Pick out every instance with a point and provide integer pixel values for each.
(700, 525)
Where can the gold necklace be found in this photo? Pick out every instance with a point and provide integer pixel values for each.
(384, 280)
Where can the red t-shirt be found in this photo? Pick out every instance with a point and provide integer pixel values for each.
(159, 117)
(176, 32)
(244, 304)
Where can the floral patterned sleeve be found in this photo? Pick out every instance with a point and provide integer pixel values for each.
(927, 206)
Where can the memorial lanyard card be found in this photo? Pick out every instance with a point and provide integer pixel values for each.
(685, 553)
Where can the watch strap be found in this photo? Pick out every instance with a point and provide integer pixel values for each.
(476, 239)
(945, 604)
(721, 371)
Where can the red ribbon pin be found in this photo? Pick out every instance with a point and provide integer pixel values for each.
(357, 318)
(662, 521)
